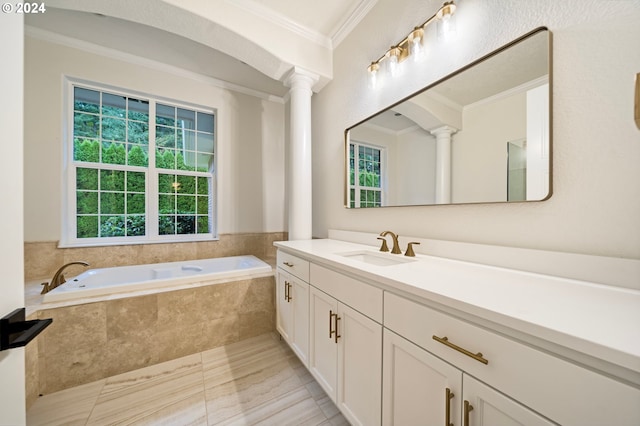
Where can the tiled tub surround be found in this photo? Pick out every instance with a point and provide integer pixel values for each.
(109, 336)
(42, 259)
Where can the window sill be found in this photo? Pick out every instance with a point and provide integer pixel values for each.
(191, 239)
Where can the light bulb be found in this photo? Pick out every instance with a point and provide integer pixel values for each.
(416, 49)
(373, 74)
(446, 21)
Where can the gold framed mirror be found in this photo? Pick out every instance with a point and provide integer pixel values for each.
(450, 142)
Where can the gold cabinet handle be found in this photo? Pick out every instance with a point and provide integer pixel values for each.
(445, 341)
(290, 265)
(467, 409)
(331, 330)
(448, 395)
(288, 291)
(333, 326)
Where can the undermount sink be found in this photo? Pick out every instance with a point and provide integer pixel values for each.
(376, 258)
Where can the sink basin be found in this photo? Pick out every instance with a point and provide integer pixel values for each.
(376, 258)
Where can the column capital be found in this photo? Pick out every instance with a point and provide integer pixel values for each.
(299, 77)
(443, 130)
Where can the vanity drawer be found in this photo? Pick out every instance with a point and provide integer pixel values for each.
(549, 385)
(362, 297)
(293, 265)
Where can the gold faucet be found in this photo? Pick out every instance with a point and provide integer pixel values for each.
(58, 277)
(395, 249)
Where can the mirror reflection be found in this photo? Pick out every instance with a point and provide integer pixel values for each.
(480, 135)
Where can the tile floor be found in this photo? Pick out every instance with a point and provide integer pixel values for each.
(258, 381)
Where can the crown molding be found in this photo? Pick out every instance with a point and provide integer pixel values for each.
(345, 27)
(282, 21)
(56, 38)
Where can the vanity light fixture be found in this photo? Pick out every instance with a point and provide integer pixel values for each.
(412, 44)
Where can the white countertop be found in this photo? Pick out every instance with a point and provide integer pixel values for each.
(598, 320)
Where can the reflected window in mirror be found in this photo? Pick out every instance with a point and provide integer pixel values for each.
(366, 175)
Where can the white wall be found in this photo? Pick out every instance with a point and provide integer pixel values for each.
(595, 207)
(250, 144)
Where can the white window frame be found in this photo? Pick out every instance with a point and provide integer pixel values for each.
(356, 186)
(69, 225)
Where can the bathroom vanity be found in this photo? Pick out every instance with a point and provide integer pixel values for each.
(395, 340)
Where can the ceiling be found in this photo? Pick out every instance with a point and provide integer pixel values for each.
(326, 23)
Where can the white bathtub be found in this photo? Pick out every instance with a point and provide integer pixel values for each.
(105, 281)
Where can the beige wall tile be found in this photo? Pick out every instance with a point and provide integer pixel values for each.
(74, 328)
(131, 317)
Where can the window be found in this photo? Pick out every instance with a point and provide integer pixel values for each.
(140, 169)
(365, 175)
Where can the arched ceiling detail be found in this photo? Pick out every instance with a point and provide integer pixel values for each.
(269, 48)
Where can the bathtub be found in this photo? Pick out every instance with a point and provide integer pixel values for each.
(106, 281)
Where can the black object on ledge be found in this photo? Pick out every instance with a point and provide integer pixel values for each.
(16, 332)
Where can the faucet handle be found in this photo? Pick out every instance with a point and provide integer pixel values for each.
(410, 251)
(384, 246)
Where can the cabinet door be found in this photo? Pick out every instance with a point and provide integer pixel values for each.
(359, 367)
(299, 331)
(283, 307)
(484, 406)
(415, 386)
(323, 350)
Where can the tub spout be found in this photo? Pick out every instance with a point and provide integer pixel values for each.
(58, 277)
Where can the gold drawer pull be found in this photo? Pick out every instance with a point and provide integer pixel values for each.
(445, 341)
(290, 265)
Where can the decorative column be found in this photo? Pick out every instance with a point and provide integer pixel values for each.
(443, 163)
(300, 200)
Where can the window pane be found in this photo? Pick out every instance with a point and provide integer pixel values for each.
(186, 184)
(166, 183)
(114, 153)
(86, 125)
(138, 110)
(166, 225)
(166, 204)
(135, 182)
(203, 224)
(111, 180)
(203, 185)
(188, 139)
(114, 105)
(186, 119)
(86, 100)
(203, 205)
(138, 155)
(112, 202)
(136, 225)
(185, 160)
(204, 162)
(165, 115)
(113, 129)
(186, 225)
(86, 202)
(87, 150)
(136, 204)
(138, 132)
(186, 204)
(86, 178)
(87, 226)
(165, 158)
(112, 226)
(205, 122)
(205, 143)
(165, 137)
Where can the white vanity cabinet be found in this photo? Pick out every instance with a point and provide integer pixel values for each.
(292, 303)
(422, 389)
(532, 385)
(345, 345)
